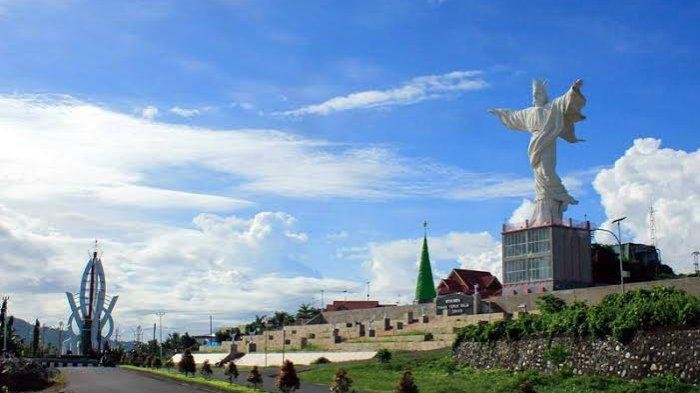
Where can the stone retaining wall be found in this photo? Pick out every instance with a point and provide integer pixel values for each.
(650, 353)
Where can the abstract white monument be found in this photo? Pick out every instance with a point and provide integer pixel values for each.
(547, 121)
(93, 312)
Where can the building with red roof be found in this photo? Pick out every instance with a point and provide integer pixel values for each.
(470, 281)
(341, 305)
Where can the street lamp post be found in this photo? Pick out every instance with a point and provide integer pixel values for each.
(60, 338)
(619, 245)
(160, 315)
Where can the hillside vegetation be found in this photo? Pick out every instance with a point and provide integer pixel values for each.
(436, 372)
(619, 315)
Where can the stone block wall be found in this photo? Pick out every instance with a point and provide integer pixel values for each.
(650, 353)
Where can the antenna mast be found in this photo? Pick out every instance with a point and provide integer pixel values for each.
(652, 225)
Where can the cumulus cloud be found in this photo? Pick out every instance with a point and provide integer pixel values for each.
(393, 265)
(229, 266)
(668, 178)
(417, 89)
(523, 212)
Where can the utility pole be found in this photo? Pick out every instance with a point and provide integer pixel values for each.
(154, 331)
(696, 254)
(160, 315)
(116, 335)
(211, 325)
(367, 290)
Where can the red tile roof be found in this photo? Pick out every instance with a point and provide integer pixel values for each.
(465, 281)
(339, 305)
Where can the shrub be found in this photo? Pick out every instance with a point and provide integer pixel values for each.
(550, 304)
(406, 383)
(321, 360)
(186, 364)
(287, 379)
(18, 374)
(556, 354)
(231, 371)
(618, 315)
(383, 355)
(206, 370)
(254, 377)
(156, 362)
(341, 382)
(169, 364)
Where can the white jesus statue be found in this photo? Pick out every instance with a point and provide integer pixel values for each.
(547, 120)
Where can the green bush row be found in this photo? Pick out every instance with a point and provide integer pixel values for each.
(619, 315)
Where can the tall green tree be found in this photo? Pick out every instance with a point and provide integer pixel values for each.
(256, 326)
(3, 312)
(35, 338)
(306, 311)
(425, 286)
(280, 319)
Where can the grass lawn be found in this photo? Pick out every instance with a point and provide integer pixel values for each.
(435, 372)
(196, 380)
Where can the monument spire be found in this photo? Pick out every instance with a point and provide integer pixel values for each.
(425, 286)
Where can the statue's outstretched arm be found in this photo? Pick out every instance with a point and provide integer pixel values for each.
(515, 120)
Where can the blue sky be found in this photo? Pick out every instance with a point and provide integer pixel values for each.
(220, 66)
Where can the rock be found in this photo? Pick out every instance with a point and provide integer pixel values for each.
(653, 367)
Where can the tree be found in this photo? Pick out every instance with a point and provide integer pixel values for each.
(341, 383)
(425, 286)
(257, 325)
(227, 334)
(35, 339)
(156, 362)
(188, 341)
(280, 319)
(206, 370)
(383, 355)
(406, 384)
(254, 377)
(287, 379)
(3, 314)
(231, 371)
(306, 311)
(186, 364)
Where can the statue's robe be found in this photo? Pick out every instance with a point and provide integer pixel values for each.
(546, 123)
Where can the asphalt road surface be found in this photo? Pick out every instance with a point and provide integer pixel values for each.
(116, 380)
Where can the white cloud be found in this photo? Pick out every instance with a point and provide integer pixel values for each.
(229, 266)
(523, 212)
(149, 112)
(416, 90)
(190, 112)
(669, 178)
(394, 265)
(243, 105)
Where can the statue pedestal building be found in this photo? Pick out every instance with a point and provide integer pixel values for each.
(546, 253)
(545, 256)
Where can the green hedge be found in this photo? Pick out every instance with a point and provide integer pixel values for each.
(618, 315)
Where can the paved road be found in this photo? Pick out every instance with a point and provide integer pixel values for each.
(116, 380)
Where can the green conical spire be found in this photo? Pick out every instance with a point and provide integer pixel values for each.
(425, 286)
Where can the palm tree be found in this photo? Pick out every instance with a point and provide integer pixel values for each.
(306, 311)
